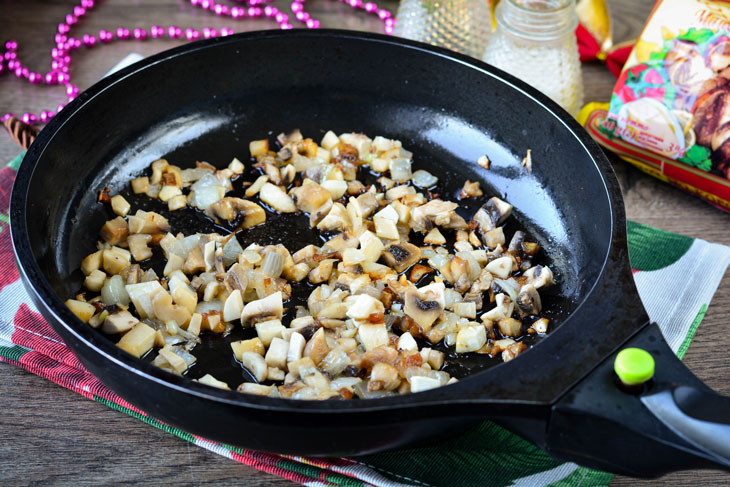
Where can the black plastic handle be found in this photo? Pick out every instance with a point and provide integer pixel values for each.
(700, 418)
(675, 423)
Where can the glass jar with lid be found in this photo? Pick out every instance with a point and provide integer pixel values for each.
(460, 25)
(535, 41)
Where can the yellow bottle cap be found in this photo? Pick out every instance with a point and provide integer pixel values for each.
(634, 366)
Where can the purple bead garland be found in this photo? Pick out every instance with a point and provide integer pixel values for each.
(61, 57)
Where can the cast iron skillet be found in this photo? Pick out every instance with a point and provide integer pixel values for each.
(206, 100)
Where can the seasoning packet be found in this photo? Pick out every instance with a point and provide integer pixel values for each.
(669, 113)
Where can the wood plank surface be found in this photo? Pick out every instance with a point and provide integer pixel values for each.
(51, 436)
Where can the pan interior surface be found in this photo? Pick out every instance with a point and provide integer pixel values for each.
(207, 104)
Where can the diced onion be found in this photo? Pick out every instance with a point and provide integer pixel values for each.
(273, 264)
(182, 247)
(113, 291)
(192, 175)
(173, 339)
(335, 362)
(208, 306)
(206, 181)
(205, 196)
(441, 376)
(361, 390)
(187, 244)
(186, 356)
(424, 179)
(390, 318)
(438, 261)
(316, 306)
(474, 268)
(510, 286)
(341, 382)
(400, 169)
(451, 297)
(428, 253)
(231, 250)
(251, 256)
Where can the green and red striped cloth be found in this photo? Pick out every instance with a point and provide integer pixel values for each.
(676, 277)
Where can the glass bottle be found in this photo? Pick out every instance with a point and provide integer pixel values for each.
(535, 41)
(460, 25)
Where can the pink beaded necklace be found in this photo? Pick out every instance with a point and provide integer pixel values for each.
(65, 44)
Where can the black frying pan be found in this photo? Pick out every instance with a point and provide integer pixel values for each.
(205, 101)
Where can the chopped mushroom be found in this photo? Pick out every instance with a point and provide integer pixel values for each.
(95, 280)
(539, 276)
(255, 363)
(83, 311)
(362, 330)
(320, 213)
(234, 209)
(372, 336)
(363, 307)
(120, 206)
(383, 377)
(236, 278)
(337, 219)
(233, 306)
(148, 222)
(310, 196)
(317, 347)
(258, 147)
(368, 203)
(140, 185)
(493, 238)
(418, 271)
(471, 339)
(139, 340)
(91, 262)
(501, 267)
(335, 188)
(434, 237)
(541, 325)
(492, 214)
(470, 190)
(262, 309)
(114, 231)
(401, 255)
(510, 327)
(527, 161)
(528, 301)
(484, 161)
(138, 246)
(436, 213)
(115, 259)
(277, 198)
(118, 322)
(421, 383)
(423, 306)
(250, 345)
(503, 309)
(268, 330)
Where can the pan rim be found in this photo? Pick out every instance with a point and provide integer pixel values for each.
(40, 288)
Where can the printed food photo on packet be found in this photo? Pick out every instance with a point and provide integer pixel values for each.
(669, 113)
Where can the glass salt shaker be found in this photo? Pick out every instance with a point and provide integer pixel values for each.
(460, 25)
(535, 41)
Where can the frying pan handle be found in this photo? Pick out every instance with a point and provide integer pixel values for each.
(674, 422)
(701, 418)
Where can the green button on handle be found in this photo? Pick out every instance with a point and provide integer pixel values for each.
(634, 366)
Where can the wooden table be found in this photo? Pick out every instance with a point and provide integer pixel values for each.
(51, 435)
